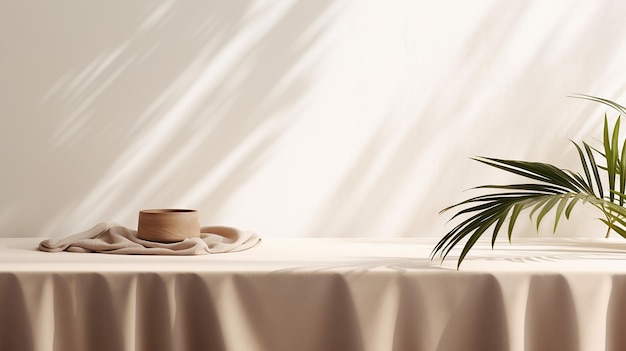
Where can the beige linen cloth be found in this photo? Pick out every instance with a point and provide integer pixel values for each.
(110, 237)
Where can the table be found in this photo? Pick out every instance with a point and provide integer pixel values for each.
(318, 294)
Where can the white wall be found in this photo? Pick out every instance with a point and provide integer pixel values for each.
(292, 118)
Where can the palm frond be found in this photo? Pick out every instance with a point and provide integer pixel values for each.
(594, 168)
(615, 217)
(493, 210)
(621, 169)
(543, 172)
(619, 108)
(557, 191)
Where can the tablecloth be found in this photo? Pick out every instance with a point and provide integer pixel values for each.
(318, 294)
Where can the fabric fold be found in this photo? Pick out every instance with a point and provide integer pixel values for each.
(113, 238)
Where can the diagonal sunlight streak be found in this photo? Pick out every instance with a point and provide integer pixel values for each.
(82, 82)
(389, 160)
(209, 70)
(217, 67)
(75, 121)
(153, 140)
(59, 85)
(398, 182)
(526, 70)
(97, 67)
(159, 15)
(280, 94)
(242, 157)
(200, 191)
(85, 88)
(163, 175)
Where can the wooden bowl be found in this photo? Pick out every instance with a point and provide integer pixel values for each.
(168, 225)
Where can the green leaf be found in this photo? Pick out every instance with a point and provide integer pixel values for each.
(513, 167)
(571, 205)
(610, 146)
(546, 208)
(594, 168)
(619, 108)
(517, 208)
(619, 230)
(470, 243)
(613, 211)
(538, 205)
(584, 185)
(559, 211)
(546, 188)
(583, 161)
(622, 173)
(499, 223)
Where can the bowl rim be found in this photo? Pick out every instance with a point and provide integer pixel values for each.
(167, 210)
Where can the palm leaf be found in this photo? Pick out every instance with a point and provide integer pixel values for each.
(609, 151)
(594, 168)
(619, 108)
(494, 212)
(517, 208)
(622, 173)
(556, 190)
(559, 211)
(583, 161)
(558, 187)
(535, 170)
(546, 208)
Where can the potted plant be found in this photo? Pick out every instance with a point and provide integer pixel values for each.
(602, 184)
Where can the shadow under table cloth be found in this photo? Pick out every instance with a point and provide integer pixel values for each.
(112, 238)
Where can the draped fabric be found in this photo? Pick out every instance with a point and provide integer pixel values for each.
(110, 237)
(318, 294)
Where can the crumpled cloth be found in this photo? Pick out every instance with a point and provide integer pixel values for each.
(112, 238)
